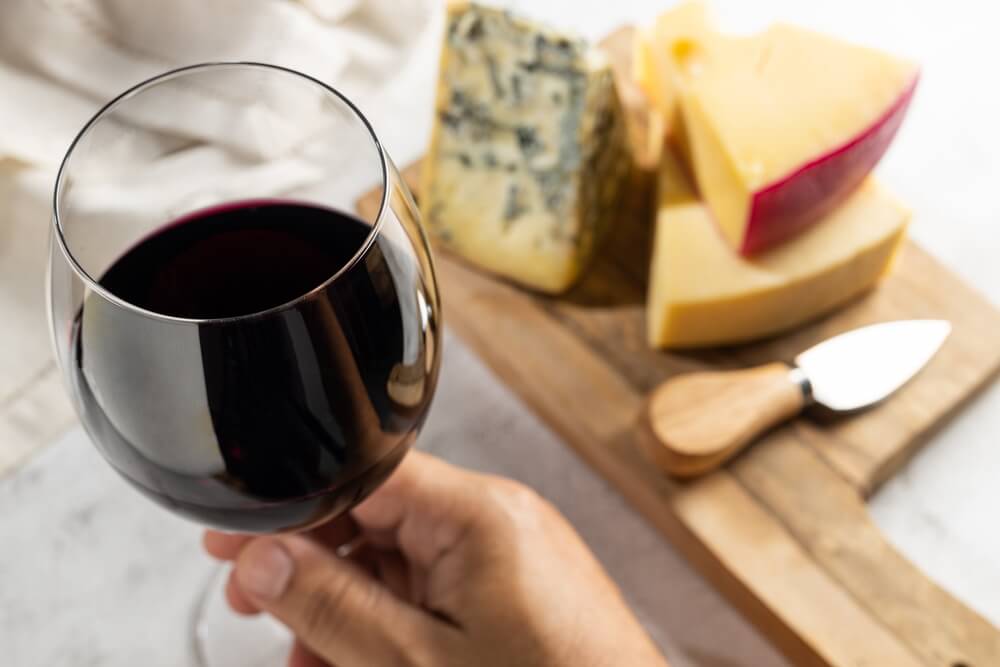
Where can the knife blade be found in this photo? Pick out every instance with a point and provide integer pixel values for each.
(860, 368)
(696, 422)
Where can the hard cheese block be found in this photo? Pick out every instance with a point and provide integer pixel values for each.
(528, 157)
(780, 127)
(703, 294)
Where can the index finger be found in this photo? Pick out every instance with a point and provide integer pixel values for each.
(224, 546)
(227, 546)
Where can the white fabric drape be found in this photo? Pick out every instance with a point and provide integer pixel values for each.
(60, 60)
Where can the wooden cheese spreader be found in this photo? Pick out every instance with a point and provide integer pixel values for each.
(698, 421)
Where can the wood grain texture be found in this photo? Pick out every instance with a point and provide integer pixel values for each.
(753, 544)
(829, 520)
(698, 421)
(782, 530)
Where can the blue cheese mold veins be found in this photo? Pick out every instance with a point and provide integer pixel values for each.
(528, 158)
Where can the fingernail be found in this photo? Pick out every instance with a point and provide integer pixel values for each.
(265, 569)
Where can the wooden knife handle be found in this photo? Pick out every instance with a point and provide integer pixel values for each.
(694, 423)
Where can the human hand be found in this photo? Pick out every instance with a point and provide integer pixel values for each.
(455, 568)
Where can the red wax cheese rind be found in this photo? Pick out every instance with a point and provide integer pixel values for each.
(778, 128)
(786, 207)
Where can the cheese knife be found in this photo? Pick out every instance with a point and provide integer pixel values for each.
(696, 422)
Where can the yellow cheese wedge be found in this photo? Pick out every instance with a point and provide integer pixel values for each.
(703, 294)
(654, 68)
(658, 46)
(779, 128)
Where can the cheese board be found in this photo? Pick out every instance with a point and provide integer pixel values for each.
(783, 529)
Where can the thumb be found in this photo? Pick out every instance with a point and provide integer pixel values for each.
(338, 611)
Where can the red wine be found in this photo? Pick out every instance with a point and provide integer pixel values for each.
(273, 381)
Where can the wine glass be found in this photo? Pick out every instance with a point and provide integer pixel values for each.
(239, 346)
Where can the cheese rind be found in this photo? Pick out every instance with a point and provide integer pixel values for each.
(778, 128)
(528, 158)
(702, 294)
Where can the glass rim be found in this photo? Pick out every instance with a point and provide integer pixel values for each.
(102, 113)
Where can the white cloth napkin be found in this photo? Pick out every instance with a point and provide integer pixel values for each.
(60, 60)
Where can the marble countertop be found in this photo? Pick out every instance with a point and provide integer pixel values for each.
(93, 574)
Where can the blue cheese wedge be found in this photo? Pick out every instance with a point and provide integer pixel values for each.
(528, 157)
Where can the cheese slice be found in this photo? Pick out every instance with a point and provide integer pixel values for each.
(779, 127)
(529, 156)
(703, 294)
(657, 50)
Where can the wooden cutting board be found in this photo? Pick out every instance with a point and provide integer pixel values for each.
(783, 530)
